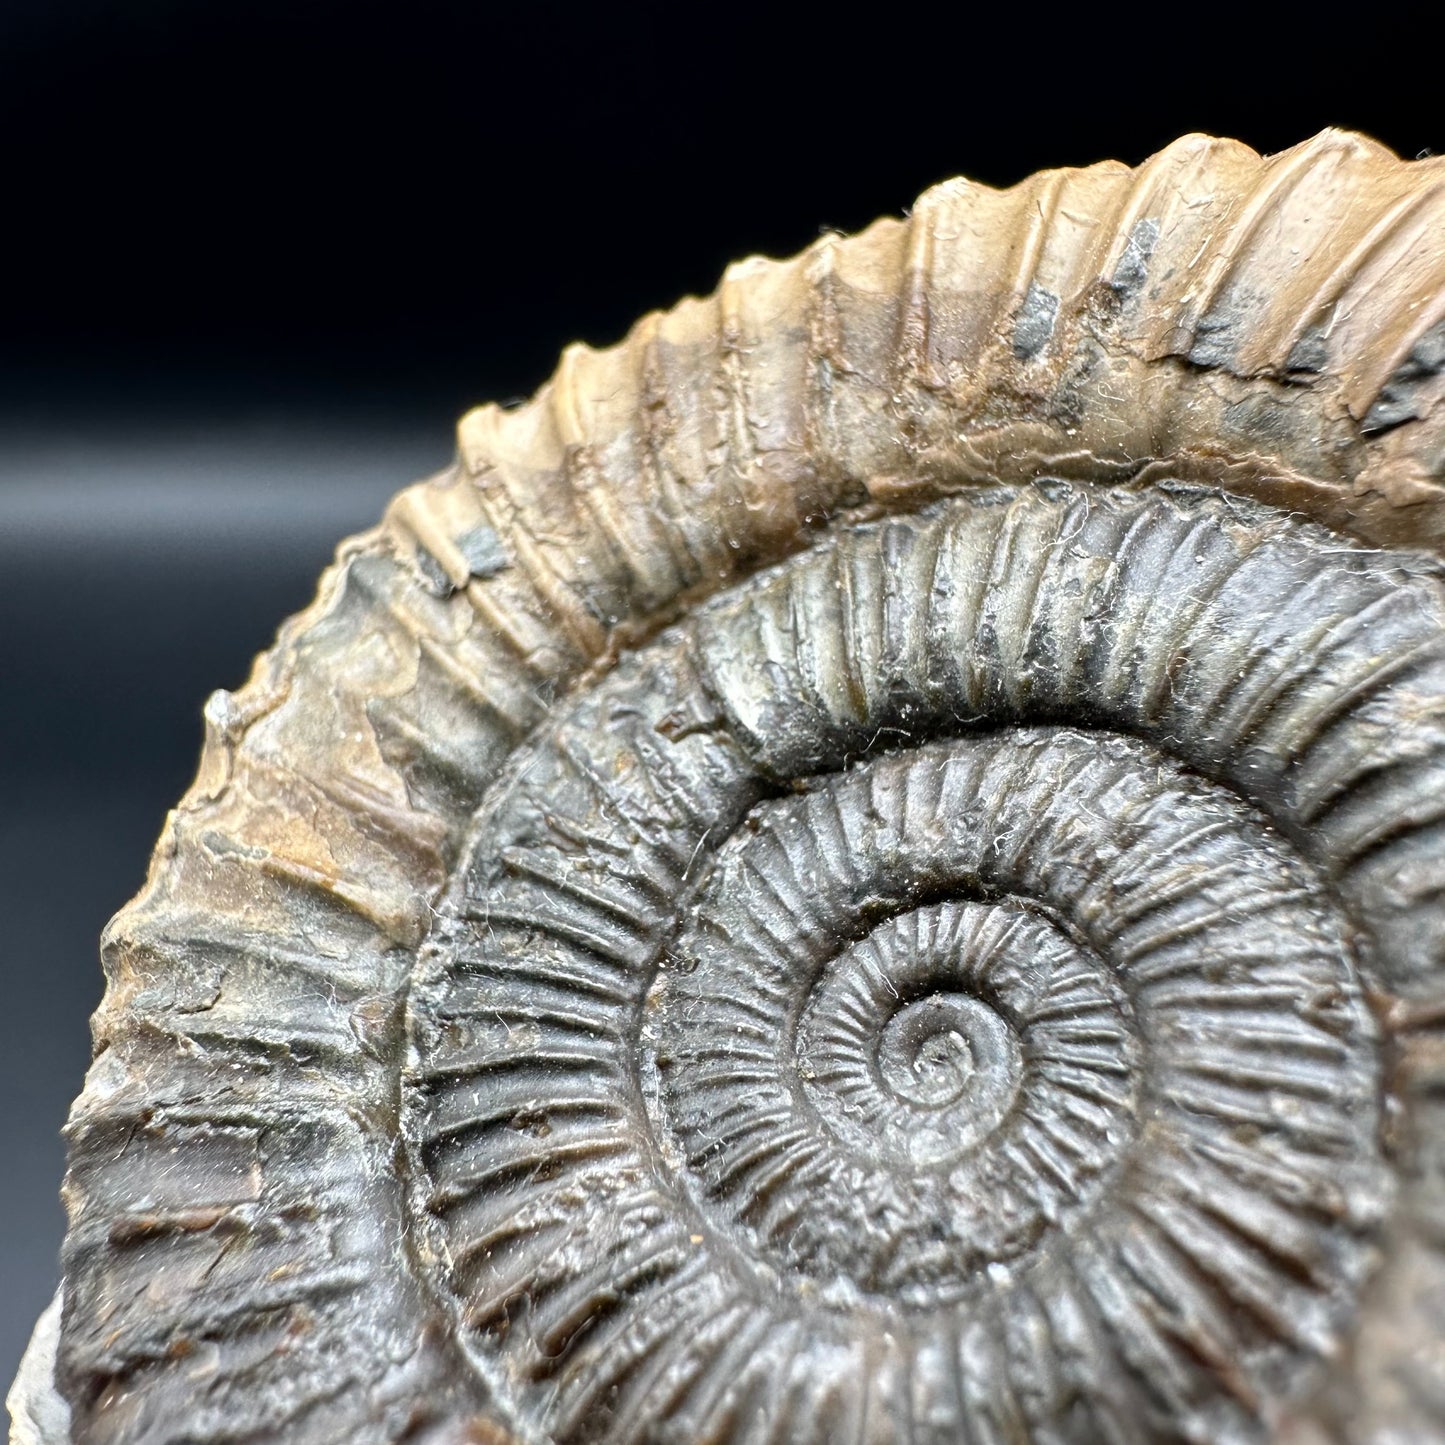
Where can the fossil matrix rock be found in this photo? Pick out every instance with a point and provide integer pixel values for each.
(868, 866)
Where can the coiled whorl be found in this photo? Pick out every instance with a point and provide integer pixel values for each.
(866, 866)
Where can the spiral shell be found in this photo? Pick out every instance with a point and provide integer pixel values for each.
(868, 866)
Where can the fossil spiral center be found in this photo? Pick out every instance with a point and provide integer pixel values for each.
(882, 1115)
(931, 1050)
(906, 1049)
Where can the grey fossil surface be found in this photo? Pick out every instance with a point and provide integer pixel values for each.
(868, 866)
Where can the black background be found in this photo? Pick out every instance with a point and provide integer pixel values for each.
(256, 257)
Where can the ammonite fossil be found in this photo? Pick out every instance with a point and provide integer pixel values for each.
(869, 866)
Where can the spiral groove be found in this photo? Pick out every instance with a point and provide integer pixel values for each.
(924, 993)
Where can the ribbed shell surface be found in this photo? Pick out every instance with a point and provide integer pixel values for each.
(868, 865)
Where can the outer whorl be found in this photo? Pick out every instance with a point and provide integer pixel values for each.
(869, 866)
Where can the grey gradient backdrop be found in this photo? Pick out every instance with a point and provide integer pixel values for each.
(260, 255)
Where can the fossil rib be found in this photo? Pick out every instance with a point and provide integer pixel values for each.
(868, 865)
